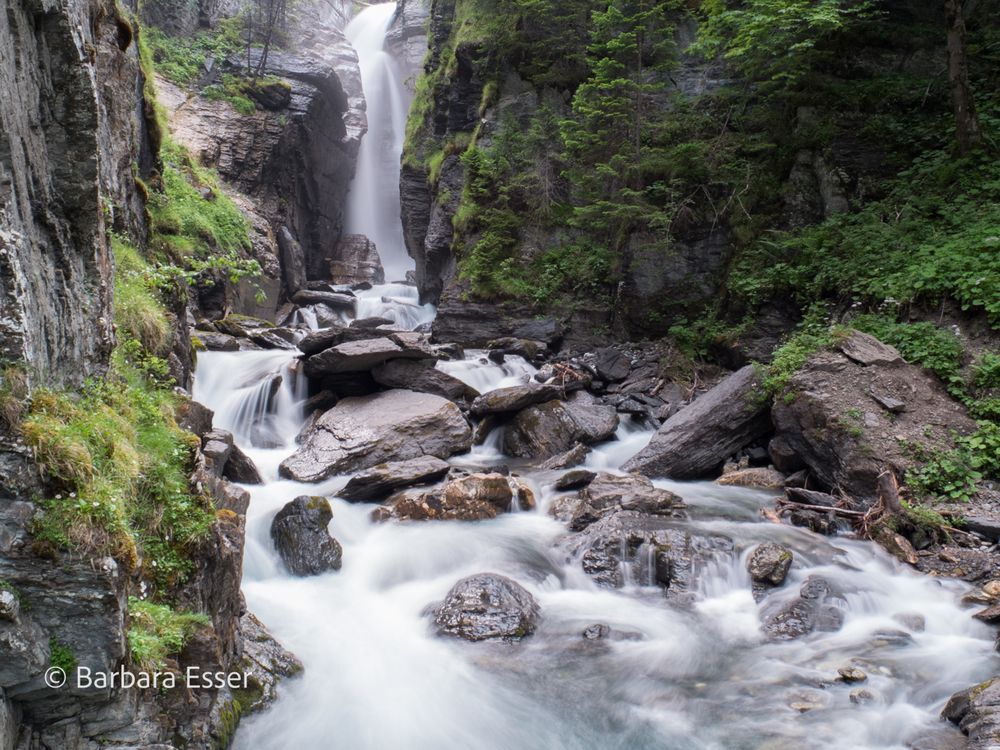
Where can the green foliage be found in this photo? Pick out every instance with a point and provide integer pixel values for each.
(233, 89)
(118, 465)
(157, 632)
(955, 474)
(813, 334)
(779, 40)
(182, 58)
(61, 656)
(933, 237)
(139, 315)
(924, 344)
(13, 396)
(986, 371)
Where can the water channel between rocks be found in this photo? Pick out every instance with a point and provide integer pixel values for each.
(698, 674)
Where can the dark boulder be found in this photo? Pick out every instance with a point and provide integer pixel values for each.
(768, 564)
(356, 356)
(382, 480)
(487, 606)
(553, 427)
(814, 609)
(696, 440)
(336, 300)
(976, 711)
(300, 535)
(607, 494)
(475, 497)
(514, 398)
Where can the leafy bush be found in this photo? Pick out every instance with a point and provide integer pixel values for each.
(182, 58)
(156, 632)
(924, 344)
(955, 474)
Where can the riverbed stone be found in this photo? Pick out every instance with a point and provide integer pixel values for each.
(474, 497)
(353, 356)
(487, 606)
(608, 493)
(299, 532)
(813, 610)
(769, 564)
(382, 480)
(574, 480)
(976, 711)
(696, 440)
(553, 427)
(361, 432)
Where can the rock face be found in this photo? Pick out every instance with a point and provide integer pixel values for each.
(421, 375)
(296, 162)
(359, 433)
(70, 131)
(606, 494)
(354, 356)
(697, 439)
(356, 260)
(382, 480)
(514, 398)
(406, 37)
(487, 606)
(300, 535)
(976, 711)
(838, 425)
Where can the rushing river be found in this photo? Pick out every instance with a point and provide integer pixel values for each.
(698, 677)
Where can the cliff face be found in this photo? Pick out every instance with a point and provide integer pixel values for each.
(55, 269)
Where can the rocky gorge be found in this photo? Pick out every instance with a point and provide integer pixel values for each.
(262, 414)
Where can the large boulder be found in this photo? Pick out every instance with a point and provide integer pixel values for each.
(475, 497)
(226, 460)
(357, 261)
(300, 535)
(849, 422)
(768, 564)
(553, 427)
(629, 547)
(359, 433)
(358, 356)
(514, 398)
(382, 480)
(487, 606)
(976, 711)
(423, 376)
(696, 440)
(606, 494)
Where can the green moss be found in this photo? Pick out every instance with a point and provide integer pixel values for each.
(182, 58)
(157, 632)
(61, 656)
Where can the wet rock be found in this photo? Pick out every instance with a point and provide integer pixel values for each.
(10, 607)
(530, 350)
(216, 342)
(862, 696)
(783, 456)
(272, 339)
(355, 356)
(514, 399)
(487, 606)
(475, 497)
(911, 621)
(336, 300)
(356, 260)
(758, 478)
(629, 546)
(241, 326)
(330, 336)
(422, 376)
(606, 494)
(596, 632)
(811, 497)
(812, 610)
(769, 564)
(697, 440)
(226, 460)
(573, 457)
(359, 433)
(851, 674)
(265, 661)
(847, 448)
(300, 535)
(989, 615)
(322, 401)
(240, 468)
(382, 480)
(553, 427)
(574, 480)
(976, 711)
(370, 324)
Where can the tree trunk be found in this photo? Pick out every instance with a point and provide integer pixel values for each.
(967, 132)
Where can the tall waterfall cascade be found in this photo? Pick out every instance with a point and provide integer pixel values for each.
(698, 675)
(373, 201)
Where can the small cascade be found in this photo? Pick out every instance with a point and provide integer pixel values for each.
(483, 374)
(257, 396)
(399, 303)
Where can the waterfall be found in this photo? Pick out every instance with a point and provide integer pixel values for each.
(373, 201)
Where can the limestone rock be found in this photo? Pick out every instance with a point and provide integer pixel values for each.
(359, 433)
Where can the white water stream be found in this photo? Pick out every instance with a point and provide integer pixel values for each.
(697, 678)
